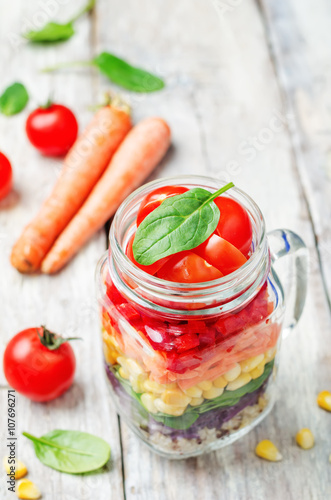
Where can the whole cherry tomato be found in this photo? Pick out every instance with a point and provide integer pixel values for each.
(188, 267)
(39, 364)
(155, 198)
(6, 176)
(221, 254)
(234, 225)
(52, 129)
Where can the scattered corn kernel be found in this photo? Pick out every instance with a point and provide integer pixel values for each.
(257, 372)
(324, 400)
(193, 392)
(152, 386)
(233, 373)
(270, 354)
(240, 381)
(147, 400)
(220, 382)
(19, 468)
(249, 364)
(267, 450)
(212, 393)
(28, 490)
(175, 411)
(196, 401)
(205, 385)
(175, 397)
(305, 439)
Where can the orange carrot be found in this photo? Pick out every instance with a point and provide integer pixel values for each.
(137, 156)
(83, 166)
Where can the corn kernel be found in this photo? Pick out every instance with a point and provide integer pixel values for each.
(205, 385)
(270, 354)
(28, 490)
(175, 397)
(240, 381)
(147, 400)
(20, 468)
(233, 373)
(134, 367)
(305, 439)
(257, 372)
(152, 386)
(220, 382)
(175, 411)
(137, 382)
(324, 400)
(122, 361)
(109, 355)
(123, 373)
(193, 392)
(196, 401)
(249, 364)
(212, 393)
(267, 450)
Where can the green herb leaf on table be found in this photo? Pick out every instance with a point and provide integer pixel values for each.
(180, 223)
(125, 75)
(51, 32)
(57, 32)
(14, 99)
(73, 452)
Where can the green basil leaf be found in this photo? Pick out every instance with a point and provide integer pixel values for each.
(125, 75)
(180, 223)
(51, 32)
(14, 99)
(73, 452)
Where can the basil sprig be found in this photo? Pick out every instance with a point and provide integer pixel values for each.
(57, 32)
(73, 452)
(13, 99)
(180, 223)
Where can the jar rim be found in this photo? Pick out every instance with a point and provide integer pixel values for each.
(256, 266)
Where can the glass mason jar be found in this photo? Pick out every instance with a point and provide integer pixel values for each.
(192, 367)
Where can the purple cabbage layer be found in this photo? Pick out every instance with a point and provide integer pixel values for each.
(213, 419)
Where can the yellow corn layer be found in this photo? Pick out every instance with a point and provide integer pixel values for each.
(169, 398)
(324, 400)
(305, 439)
(267, 450)
(28, 490)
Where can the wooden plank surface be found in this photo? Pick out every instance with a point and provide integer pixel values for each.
(231, 115)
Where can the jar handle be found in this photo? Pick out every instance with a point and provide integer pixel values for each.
(285, 243)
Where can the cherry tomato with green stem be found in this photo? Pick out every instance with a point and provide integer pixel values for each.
(52, 129)
(6, 176)
(39, 364)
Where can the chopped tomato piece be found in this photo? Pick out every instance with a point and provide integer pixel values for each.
(155, 198)
(188, 267)
(234, 225)
(221, 254)
(186, 342)
(153, 268)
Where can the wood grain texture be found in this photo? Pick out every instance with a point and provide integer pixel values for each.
(300, 41)
(66, 302)
(231, 116)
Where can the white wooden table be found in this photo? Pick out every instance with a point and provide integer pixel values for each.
(248, 96)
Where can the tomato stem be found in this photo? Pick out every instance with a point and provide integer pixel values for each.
(53, 341)
(89, 6)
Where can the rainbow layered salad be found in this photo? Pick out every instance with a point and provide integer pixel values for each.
(188, 383)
